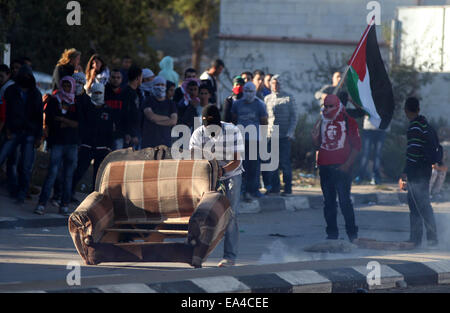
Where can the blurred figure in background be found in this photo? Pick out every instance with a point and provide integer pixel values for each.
(258, 80)
(237, 93)
(210, 78)
(68, 64)
(282, 111)
(437, 180)
(126, 64)
(23, 127)
(179, 92)
(167, 70)
(170, 90)
(131, 115)
(114, 100)
(188, 107)
(146, 87)
(96, 72)
(247, 76)
(266, 87)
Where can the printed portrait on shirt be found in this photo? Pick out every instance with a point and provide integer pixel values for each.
(333, 135)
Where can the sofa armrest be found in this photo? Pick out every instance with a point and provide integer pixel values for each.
(207, 225)
(88, 222)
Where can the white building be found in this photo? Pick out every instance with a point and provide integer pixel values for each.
(291, 37)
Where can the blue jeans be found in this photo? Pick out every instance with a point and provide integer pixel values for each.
(285, 167)
(250, 178)
(231, 240)
(372, 140)
(266, 176)
(335, 182)
(65, 157)
(25, 168)
(12, 168)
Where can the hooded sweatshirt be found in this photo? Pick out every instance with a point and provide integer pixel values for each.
(23, 109)
(167, 71)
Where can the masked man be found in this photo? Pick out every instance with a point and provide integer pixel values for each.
(61, 120)
(96, 135)
(237, 93)
(250, 112)
(223, 142)
(337, 137)
(160, 115)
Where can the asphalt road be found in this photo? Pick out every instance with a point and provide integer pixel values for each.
(32, 259)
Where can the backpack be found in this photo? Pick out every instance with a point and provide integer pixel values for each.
(434, 152)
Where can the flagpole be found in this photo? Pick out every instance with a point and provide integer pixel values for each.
(341, 82)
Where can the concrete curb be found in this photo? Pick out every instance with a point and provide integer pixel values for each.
(339, 280)
(300, 202)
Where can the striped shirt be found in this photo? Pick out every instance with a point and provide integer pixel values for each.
(417, 135)
(221, 147)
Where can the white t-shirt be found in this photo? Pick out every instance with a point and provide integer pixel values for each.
(221, 147)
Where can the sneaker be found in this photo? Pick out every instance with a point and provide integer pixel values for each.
(373, 182)
(39, 210)
(272, 193)
(286, 194)
(432, 243)
(64, 211)
(226, 263)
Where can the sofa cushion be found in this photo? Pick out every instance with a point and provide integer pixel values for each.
(156, 189)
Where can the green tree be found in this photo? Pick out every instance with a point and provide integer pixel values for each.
(198, 16)
(6, 18)
(112, 28)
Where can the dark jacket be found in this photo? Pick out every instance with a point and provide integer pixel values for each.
(114, 100)
(97, 127)
(227, 105)
(24, 111)
(58, 135)
(131, 122)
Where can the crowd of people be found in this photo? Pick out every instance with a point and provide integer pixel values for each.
(96, 110)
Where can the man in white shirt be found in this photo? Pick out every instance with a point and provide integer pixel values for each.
(223, 142)
(210, 78)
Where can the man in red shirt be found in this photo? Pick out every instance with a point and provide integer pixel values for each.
(337, 137)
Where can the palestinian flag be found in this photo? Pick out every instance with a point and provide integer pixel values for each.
(368, 82)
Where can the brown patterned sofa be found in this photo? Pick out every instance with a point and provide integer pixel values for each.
(144, 203)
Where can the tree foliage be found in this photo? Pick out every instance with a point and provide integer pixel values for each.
(113, 28)
(198, 15)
